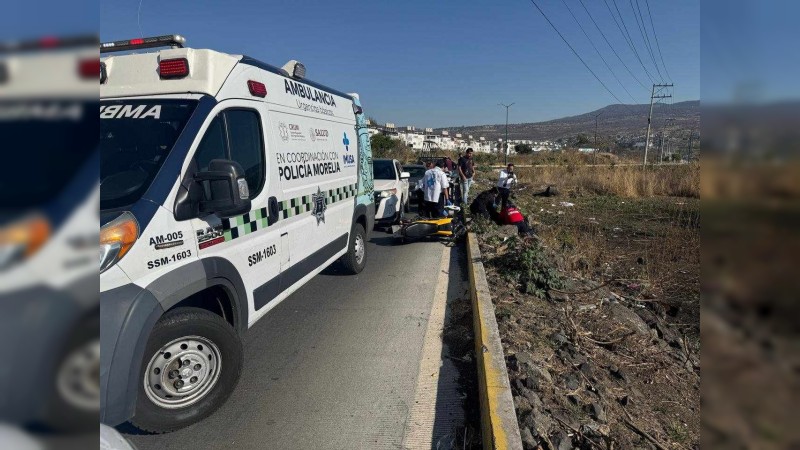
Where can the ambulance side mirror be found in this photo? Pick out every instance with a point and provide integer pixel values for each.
(227, 193)
(405, 175)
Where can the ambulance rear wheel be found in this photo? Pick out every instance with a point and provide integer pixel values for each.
(192, 363)
(356, 257)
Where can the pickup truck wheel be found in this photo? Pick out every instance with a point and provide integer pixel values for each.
(192, 363)
(400, 214)
(356, 257)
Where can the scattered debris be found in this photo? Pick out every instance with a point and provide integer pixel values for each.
(590, 339)
(550, 191)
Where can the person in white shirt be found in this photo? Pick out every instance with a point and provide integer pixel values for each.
(504, 183)
(435, 189)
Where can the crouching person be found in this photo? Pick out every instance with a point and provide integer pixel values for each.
(510, 215)
(484, 205)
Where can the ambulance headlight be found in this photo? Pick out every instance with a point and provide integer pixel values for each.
(388, 193)
(116, 238)
(21, 239)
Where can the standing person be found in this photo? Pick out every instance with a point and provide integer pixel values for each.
(505, 182)
(466, 170)
(435, 191)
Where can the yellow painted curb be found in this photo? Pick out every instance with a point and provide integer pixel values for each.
(498, 417)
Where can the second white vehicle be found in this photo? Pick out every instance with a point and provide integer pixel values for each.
(391, 191)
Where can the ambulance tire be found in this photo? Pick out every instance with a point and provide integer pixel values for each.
(191, 324)
(355, 259)
(68, 410)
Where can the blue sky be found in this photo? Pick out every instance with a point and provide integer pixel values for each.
(750, 51)
(436, 63)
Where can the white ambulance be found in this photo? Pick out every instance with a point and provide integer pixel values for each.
(226, 184)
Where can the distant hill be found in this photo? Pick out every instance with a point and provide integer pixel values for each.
(625, 121)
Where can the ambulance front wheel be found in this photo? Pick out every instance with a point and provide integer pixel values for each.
(356, 257)
(192, 363)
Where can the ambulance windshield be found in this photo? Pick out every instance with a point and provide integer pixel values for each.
(135, 138)
(46, 144)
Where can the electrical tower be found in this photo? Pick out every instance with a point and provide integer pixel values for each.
(691, 146)
(661, 146)
(654, 95)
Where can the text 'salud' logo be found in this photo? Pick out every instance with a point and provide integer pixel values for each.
(284, 131)
(318, 200)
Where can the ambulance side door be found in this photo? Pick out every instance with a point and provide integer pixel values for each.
(235, 131)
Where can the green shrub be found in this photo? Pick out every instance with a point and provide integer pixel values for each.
(525, 262)
(480, 225)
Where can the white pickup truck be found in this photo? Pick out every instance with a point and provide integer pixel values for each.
(391, 191)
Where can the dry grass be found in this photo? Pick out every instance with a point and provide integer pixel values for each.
(621, 181)
(613, 231)
(652, 243)
(642, 226)
(723, 181)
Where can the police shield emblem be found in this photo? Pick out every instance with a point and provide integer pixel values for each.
(318, 201)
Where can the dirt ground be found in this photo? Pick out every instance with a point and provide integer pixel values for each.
(599, 315)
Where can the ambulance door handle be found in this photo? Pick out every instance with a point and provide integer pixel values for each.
(285, 256)
(273, 210)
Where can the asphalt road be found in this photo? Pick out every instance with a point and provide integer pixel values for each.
(335, 365)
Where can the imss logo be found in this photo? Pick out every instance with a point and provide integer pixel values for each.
(347, 159)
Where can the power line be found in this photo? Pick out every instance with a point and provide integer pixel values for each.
(645, 36)
(658, 46)
(598, 51)
(612, 47)
(627, 36)
(579, 56)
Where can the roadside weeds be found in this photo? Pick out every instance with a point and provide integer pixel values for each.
(599, 318)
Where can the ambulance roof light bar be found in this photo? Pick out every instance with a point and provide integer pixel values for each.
(50, 43)
(168, 40)
(295, 69)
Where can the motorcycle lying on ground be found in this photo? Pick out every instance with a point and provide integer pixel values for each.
(450, 228)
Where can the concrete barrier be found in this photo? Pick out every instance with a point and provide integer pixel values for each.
(498, 418)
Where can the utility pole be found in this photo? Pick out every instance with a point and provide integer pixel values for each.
(653, 96)
(506, 141)
(595, 136)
